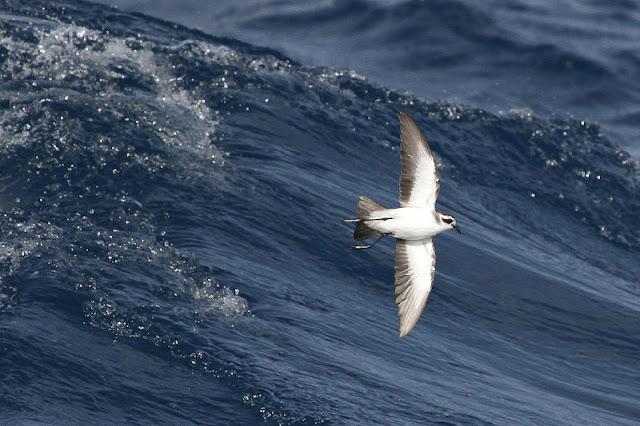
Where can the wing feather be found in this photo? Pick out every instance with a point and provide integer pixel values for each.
(419, 179)
(415, 271)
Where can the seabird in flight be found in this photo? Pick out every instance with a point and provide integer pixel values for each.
(413, 225)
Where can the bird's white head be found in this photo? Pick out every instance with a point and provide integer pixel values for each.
(450, 221)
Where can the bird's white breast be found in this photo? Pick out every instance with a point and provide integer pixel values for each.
(408, 223)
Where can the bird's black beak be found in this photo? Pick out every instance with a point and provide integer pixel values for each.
(457, 228)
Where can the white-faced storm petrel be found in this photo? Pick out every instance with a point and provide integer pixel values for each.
(413, 225)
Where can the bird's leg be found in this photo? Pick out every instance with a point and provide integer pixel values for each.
(370, 245)
(364, 220)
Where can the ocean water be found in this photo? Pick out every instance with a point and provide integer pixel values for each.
(171, 243)
(573, 59)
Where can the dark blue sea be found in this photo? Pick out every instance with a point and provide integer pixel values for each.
(174, 175)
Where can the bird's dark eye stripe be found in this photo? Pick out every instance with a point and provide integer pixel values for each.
(447, 220)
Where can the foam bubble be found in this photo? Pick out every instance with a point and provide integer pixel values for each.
(223, 300)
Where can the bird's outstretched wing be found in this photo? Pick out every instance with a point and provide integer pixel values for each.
(419, 179)
(415, 271)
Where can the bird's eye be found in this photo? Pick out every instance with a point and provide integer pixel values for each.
(448, 220)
